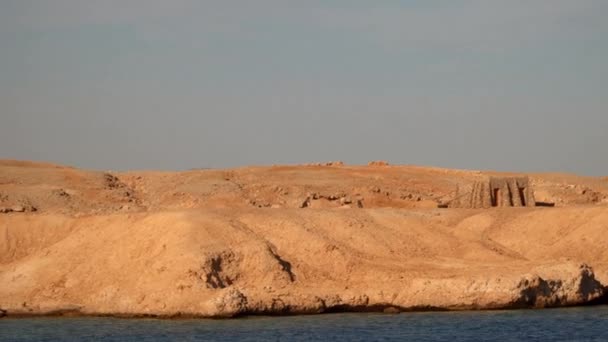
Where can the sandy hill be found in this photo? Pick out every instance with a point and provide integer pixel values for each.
(291, 239)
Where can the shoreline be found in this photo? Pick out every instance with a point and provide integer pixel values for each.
(389, 309)
(383, 311)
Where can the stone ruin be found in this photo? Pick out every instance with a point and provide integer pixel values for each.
(495, 192)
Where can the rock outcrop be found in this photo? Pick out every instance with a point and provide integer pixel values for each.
(566, 286)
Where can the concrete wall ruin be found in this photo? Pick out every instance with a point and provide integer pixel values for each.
(496, 192)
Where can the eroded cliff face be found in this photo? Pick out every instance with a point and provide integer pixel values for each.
(193, 244)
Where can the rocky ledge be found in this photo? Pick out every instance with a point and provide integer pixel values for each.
(558, 285)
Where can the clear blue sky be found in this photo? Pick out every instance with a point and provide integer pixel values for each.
(480, 84)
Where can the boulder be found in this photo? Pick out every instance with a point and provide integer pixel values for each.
(231, 303)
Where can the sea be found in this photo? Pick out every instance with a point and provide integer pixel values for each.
(567, 324)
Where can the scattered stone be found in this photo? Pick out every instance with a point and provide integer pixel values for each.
(346, 200)
(112, 182)
(61, 193)
(18, 209)
(305, 203)
(591, 195)
(406, 197)
(378, 163)
(259, 203)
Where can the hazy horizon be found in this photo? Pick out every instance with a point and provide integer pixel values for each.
(506, 85)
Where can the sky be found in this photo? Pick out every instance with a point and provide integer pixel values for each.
(513, 85)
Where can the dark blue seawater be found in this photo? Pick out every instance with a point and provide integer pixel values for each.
(574, 324)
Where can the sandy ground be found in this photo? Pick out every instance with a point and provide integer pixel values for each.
(290, 239)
